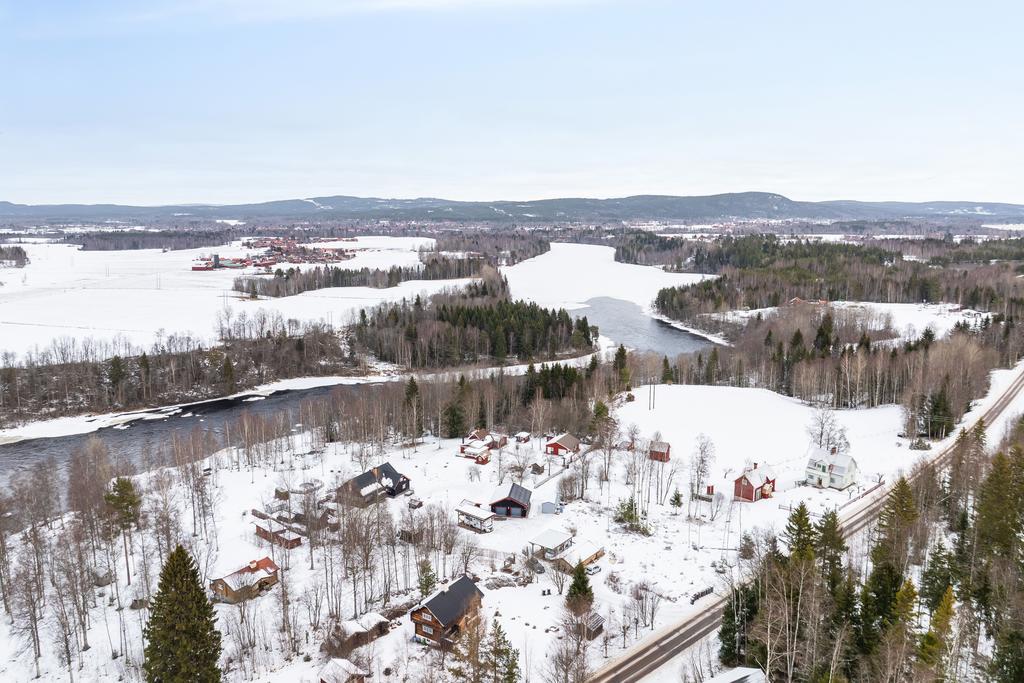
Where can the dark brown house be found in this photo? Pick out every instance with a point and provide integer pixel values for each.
(440, 619)
(368, 487)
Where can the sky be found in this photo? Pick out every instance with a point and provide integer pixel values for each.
(225, 101)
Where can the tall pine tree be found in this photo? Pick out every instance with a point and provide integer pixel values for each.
(182, 640)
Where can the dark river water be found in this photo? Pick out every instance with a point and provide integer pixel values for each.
(626, 323)
(622, 321)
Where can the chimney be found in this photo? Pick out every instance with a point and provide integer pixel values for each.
(253, 564)
(834, 449)
(755, 465)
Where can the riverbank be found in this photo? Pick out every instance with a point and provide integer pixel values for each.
(87, 424)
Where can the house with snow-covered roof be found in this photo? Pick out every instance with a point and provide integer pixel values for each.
(375, 482)
(754, 483)
(339, 670)
(828, 468)
(562, 445)
(249, 582)
(440, 619)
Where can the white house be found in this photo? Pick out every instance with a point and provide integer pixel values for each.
(827, 468)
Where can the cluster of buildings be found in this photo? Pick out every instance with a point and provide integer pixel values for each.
(826, 468)
(274, 251)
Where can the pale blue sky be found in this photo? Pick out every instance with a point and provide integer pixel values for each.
(246, 100)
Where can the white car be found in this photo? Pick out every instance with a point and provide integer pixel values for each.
(593, 569)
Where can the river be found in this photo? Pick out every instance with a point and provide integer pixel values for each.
(622, 321)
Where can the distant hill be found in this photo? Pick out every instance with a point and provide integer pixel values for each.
(740, 205)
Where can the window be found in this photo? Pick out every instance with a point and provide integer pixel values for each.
(426, 616)
(426, 629)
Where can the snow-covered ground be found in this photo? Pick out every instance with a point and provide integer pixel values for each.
(745, 425)
(137, 295)
(570, 274)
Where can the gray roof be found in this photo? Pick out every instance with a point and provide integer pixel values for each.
(519, 494)
(451, 603)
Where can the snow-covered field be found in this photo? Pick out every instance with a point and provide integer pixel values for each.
(138, 295)
(570, 274)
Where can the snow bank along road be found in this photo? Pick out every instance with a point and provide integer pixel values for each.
(673, 640)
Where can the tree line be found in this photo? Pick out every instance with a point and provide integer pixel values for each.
(296, 280)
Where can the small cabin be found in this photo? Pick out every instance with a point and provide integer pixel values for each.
(440, 620)
(659, 451)
(249, 582)
(523, 437)
(754, 484)
(511, 500)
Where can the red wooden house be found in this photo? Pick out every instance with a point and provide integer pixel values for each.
(754, 484)
(562, 445)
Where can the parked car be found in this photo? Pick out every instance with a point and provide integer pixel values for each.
(415, 503)
(593, 569)
(535, 566)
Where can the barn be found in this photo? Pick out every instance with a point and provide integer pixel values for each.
(511, 500)
(754, 484)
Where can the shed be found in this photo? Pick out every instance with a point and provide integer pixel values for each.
(278, 534)
(659, 451)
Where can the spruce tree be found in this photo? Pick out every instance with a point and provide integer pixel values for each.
(936, 577)
(428, 579)
(894, 523)
(580, 595)
(997, 521)
(666, 371)
(502, 659)
(829, 548)
(799, 534)
(182, 641)
(1008, 659)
